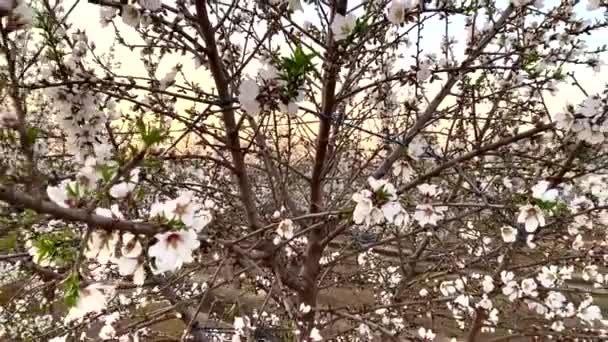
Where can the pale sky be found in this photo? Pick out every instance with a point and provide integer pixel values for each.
(86, 16)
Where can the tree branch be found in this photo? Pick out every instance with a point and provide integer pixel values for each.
(438, 99)
(475, 153)
(21, 199)
(220, 76)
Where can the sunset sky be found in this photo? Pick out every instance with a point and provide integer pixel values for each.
(86, 16)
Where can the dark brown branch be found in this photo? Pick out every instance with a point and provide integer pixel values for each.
(220, 76)
(310, 268)
(20, 199)
(475, 153)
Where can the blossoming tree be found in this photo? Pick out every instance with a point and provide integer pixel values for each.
(326, 169)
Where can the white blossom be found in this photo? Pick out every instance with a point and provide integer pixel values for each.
(590, 273)
(122, 189)
(555, 300)
(106, 14)
(102, 246)
(130, 15)
(315, 335)
(132, 266)
(509, 234)
(151, 5)
(541, 191)
(485, 302)
(487, 284)
(168, 79)
(532, 217)
(90, 172)
(90, 299)
(304, 308)
(397, 11)
(63, 194)
(511, 288)
(430, 190)
(558, 326)
(383, 185)
(248, 93)
(403, 170)
(590, 313)
(428, 214)
(528, 287)
(426, 334)
(107, 332)
(285, 229)
(113, 212)
(578, 243)
(391, 211)
(342, 26)
(364, 206)
(417, 147)
(181, 208)
(563, 120)
(530, 241)
(549, 276)
(241, 324)
(37, 257)
(173, 249)
(364, 330)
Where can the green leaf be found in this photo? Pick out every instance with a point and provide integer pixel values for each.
(177, 225)
(529, 64)
(40, 20)
(546, 205)
(73, 192)
(532, 57)
(107, 172)
(382, 194)
(72, 289)
(46, 247)
(149, 135)
(293, 70)
(57, 247)
(559, 74)
(152, 164)
(519, 199)
(154, 136)
(30, 217)
(8, 242)
(31, 133)
(361, 25)
(561, 208)
(141, 126)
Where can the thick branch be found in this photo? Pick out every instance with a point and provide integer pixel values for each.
(475, 153)
(220, 76)
(21, 199)
(310, 267)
